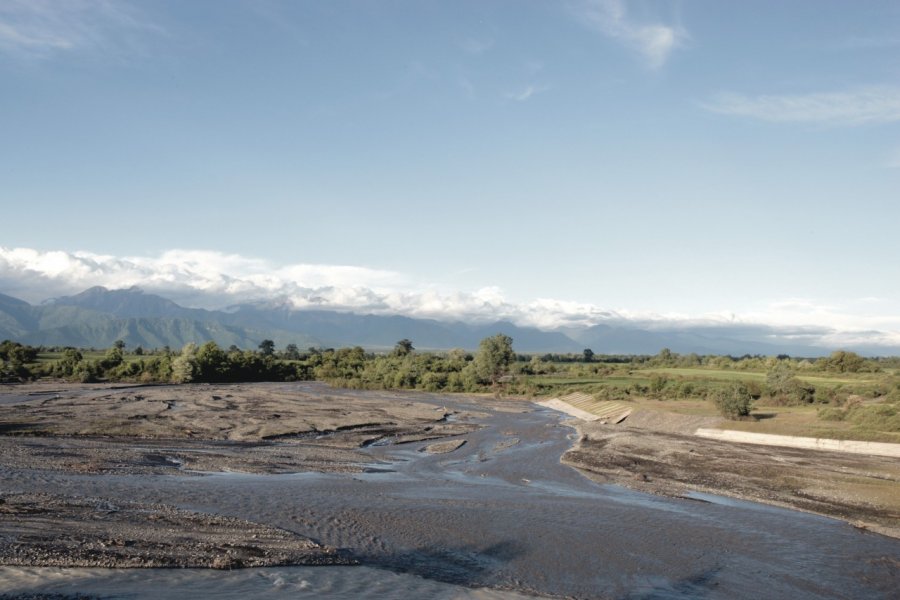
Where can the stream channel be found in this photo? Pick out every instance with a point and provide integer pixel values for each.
(499, 517)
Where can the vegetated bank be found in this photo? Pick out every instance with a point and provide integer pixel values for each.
(842, 396)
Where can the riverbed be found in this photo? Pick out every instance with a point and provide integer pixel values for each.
(499, 515)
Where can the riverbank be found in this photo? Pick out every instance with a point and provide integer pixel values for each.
(658, 453)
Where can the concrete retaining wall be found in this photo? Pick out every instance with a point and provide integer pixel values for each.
(789, 441)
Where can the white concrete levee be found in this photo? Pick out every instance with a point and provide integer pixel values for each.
(789, 441)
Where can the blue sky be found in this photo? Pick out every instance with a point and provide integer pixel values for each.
(676, 160)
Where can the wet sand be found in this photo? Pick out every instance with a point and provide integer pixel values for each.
(499, 511)
(78, 531)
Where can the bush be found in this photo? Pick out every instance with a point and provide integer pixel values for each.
(829, 413)
(878, 417)
(785, 389)
(733, 401)
(658, 383)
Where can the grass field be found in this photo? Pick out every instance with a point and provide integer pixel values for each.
(618, 380)
(723, 375)
(631, 385)
(800, 421)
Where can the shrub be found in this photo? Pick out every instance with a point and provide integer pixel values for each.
(829, 413)
(787, 390)
(658, 383)
(733, 401)
(878, 417)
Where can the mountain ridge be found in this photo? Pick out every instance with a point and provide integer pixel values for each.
(98, 316)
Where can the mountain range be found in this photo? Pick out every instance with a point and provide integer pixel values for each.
(97, 317)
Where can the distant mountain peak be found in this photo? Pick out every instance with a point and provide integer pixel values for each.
(98, 316)
(126, 302)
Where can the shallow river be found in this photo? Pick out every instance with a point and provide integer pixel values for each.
(493, 514)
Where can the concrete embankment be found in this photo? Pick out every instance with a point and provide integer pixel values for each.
(789, 441)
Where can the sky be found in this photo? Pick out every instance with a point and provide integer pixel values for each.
(548, 162)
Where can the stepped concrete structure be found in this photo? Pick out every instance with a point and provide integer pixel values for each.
(587, 408)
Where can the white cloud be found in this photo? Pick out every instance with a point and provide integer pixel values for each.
(42, 28)
(874, 104)
(653, 41)
(199, 278)
(527, 92)
(208, 279)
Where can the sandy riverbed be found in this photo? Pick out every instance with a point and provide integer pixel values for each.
(183, 430)
(463, 491)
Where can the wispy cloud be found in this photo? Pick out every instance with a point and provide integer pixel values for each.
(653, 41)
(209, 279)
(475, 46)
(874, 104)
(527, 92)
(42, 28)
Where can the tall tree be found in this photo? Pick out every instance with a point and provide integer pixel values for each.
(267, 347)
(844, 361)
(403, 347)
(184, 367)
(494, 356)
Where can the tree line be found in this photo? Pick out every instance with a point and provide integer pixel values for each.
(492, 365)
(456, 370)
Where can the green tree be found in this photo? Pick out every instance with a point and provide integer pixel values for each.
(184, 367)
(67, 365)
(843, 361)
(783, 386)
(494, 356)
(119, 344)
(588, 355)
(267, 347)
(665, 356)
(291, 352)
(733, 401)
(17, 354)
(212, 363)
(457, 359)
(113, 358)
(403, 347)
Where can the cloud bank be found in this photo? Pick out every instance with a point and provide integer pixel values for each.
(215, 280)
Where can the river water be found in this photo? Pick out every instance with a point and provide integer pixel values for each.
(496, 518)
